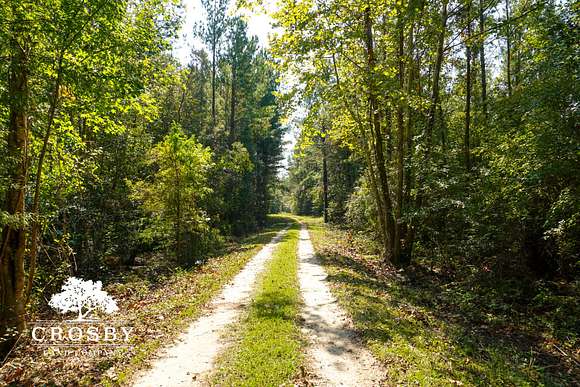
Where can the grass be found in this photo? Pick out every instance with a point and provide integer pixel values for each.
(268, 347)
(433, 333)
(158, 312)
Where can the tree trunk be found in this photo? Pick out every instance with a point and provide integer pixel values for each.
(213, 73)
(466, 145)
(367, 143)
(35, 232)
(412, 83)
(324, 178)
(482, 61)
(233, 107)
(400, 145)
(177, 221)
(509, 48)
(517, 49)
(410, 240)
(13, 247)
(436, 76)
(388, 135)
(378, 151)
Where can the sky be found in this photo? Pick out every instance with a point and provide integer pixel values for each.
(260, 25)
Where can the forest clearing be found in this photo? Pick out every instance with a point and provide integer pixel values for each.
(275, 192)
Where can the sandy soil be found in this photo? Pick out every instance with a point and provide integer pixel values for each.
(336, 357)
(188, 361)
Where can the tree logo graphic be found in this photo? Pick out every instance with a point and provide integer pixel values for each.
(83, 297)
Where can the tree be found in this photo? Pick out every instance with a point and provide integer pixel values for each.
(468, 87)
(482, 34)
(324, 178)
(508, 38)
(211, 33)
(240, 55)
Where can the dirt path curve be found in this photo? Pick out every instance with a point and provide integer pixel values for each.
(186, 362)
(337, 358)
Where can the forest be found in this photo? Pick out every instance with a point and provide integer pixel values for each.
(426, 132)
(436, 165)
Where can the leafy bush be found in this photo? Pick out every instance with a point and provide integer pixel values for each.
(361, 212)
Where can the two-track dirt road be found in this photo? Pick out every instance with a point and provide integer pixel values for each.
(334, 356)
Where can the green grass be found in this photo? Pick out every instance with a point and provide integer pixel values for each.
(268, 349)
(428, 333)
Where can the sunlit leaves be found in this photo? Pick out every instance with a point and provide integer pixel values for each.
(174, 195)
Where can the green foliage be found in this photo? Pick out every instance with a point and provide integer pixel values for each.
(236, 160)
(232, 176)
(305, 177)
(115, 93)
(176, 192)
(360, 210)
(533, 157)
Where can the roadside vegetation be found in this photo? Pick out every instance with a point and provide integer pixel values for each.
(158, 306)
(267, 347)
(433, 328)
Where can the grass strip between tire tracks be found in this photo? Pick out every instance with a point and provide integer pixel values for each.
(268, 349)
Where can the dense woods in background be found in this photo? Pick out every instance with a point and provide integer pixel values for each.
(449, 128)
(111, 149)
